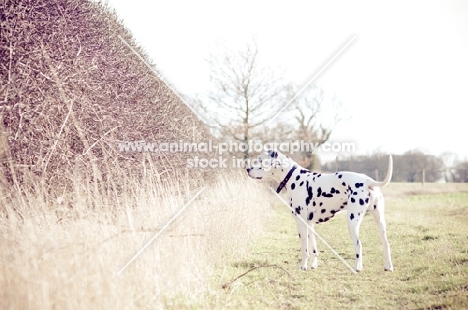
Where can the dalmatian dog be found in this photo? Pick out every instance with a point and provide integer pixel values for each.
(317, 197)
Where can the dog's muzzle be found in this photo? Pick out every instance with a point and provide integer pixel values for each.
(248, 173)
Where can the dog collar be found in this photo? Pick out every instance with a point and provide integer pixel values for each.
(286, 179)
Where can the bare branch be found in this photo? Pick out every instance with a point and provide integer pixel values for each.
(228, 284)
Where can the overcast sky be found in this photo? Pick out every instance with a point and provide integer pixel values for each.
(403, 80)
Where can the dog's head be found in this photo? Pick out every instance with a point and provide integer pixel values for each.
(270, 163)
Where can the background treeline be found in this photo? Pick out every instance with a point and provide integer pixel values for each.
(412, 166)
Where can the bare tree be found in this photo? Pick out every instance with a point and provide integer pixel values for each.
(244, 95)
(413, 162)
(449, 159)
(460, 172)
(308, 114)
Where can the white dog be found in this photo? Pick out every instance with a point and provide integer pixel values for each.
(318, 197)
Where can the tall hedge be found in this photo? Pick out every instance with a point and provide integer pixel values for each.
(71, 90)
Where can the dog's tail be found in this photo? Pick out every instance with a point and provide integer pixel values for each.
(387, 178)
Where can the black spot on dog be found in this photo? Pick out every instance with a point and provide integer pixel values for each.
(302, 183)
(311, 216)
(375, 207)
(357, 255)
(337, 192)
(321, 204)
(353, 200)
(320, 220)
(332, 191)
(319, 192)
(367, 200)
(319, 175)
(323, 210)
(333, 211)
(274, 154)
(351, 217)
(298, 210)
(313, 203)
(355, 193)
(344, 183)
(293, 186)
(361, 202)
(345, 203)
(340, 176)
(298, 177)
(302, 171)
(309, 193)
(359, 185)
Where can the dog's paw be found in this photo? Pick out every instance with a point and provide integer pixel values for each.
(388, 266)
(303, 268)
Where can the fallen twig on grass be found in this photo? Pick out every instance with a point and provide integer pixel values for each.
(228, 284)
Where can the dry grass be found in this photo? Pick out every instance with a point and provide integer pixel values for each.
(67, 255)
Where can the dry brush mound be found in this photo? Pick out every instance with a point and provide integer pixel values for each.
(75, 208)
(72, 89)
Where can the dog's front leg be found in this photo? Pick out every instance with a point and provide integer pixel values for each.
(355, 216)
(313, 248)
(303, 234)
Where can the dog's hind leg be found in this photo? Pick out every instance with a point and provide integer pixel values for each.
(377, 210)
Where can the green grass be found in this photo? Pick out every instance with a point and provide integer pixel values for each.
(428, 234)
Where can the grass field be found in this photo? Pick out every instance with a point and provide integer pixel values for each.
(236, 247)
(427, 229)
